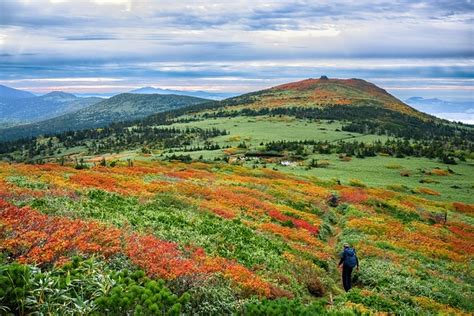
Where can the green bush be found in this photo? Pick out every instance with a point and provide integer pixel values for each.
(281, 307)
(134, 293)
(398, 283)
(15, 286)
(374, 302)
(84, 287)
(25, 182)
(208, 296)
(290, 308)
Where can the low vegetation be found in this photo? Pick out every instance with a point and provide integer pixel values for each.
(278, 237)
(241, 207)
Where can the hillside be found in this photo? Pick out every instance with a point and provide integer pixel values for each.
(32, 109)
(123, 107)
(324, 92)
(11, 93)
(128, 106)
(222, 238)
(242, 207)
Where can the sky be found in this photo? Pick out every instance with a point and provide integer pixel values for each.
(410, 48)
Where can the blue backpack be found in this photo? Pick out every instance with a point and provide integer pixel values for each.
(350, 258)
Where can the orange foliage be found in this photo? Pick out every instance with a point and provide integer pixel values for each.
(300, 223)
(428, 191)
(321, 253)
(380, 193)
(440, 172)
(220, 210)
(253, 193)
(32, 237)
(374, 226)
(464, 208)
(190, 174)
(165, 260)
(96, 180)
(408, 204)
(37, 238)
(435, 307)
(432, 240)
(291, 234)
(159, 258)
(353, 195)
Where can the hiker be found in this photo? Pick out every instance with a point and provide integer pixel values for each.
(349, 261)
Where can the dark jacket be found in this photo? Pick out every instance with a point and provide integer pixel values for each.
(349, 258)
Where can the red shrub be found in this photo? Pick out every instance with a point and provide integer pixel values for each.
(353, 195)
(464, 208)
(32, 237)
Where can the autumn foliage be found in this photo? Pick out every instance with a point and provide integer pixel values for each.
(264, 232)
(464, 208)
(32, 237)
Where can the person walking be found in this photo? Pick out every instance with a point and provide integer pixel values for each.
(348, 261)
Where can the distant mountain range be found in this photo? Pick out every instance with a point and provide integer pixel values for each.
(97, 95)
(198, 94)
(122, 107)
(462, 111)
(436, 105)
(138, 119)
(20, 107)
(11, 93)
(60, 111)
(152, 90)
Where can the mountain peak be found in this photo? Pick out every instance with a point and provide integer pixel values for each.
(324, 82)
(151, 90)
(324, 92)
(421, 99)
(60, 94)
(146, 90)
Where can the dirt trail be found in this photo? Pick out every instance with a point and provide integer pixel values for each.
(332, 241)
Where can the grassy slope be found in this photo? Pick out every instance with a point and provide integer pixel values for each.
(24, 111)
(372, 171)
(242, 214)
(123, 107)
(255, 130)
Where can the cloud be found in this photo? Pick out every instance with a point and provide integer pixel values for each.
(90, 38)
(247, 44)
(467, 118)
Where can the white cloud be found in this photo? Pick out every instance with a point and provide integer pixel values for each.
(238, 45)
(294, 35)
(457, 117)
(65, 79)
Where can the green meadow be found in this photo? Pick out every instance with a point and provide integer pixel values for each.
(254, 130)
(402, 174)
